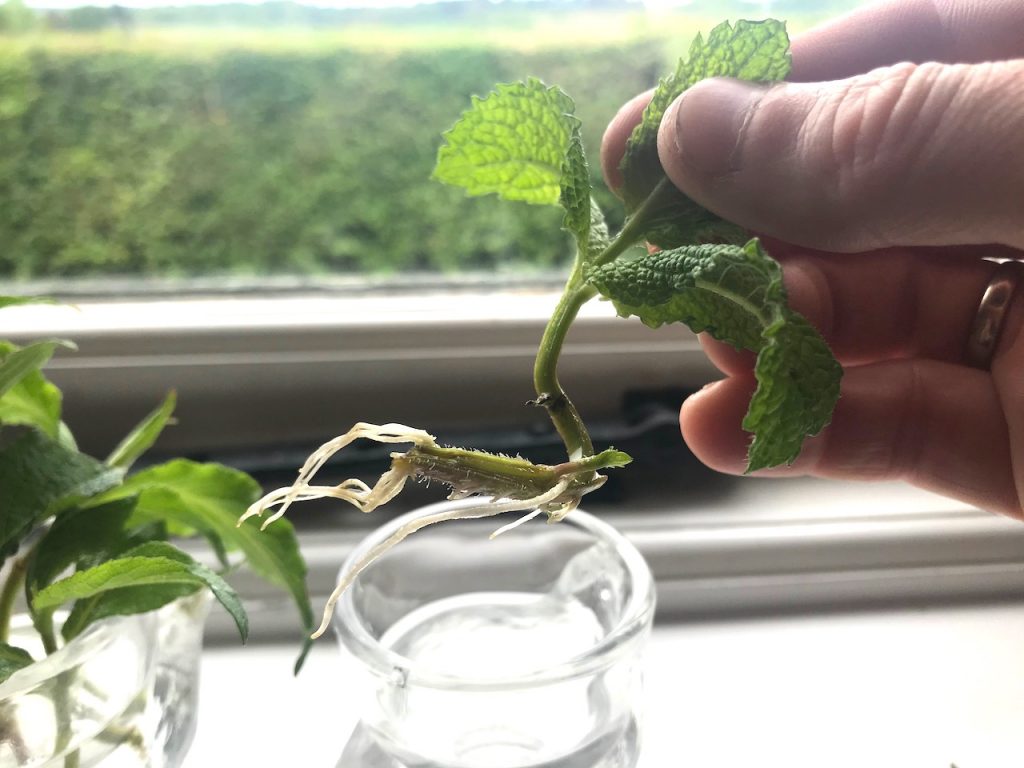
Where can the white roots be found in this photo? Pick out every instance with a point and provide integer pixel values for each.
(484, 509)
(356, 492)
(389, 485)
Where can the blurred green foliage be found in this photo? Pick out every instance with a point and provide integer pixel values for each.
(130, 161)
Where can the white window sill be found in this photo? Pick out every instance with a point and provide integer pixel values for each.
(251, 371)
(885, 689)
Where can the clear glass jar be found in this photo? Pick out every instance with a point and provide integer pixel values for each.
(520, 651)
(123, 694)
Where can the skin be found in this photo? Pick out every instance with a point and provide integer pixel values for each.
(884, 178)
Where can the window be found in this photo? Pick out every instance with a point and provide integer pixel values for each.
(236, 201)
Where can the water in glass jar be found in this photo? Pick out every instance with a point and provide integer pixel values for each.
(504, 637)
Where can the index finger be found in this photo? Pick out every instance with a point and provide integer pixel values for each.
(879, 35)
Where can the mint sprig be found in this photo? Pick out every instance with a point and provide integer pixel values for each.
(523, 142)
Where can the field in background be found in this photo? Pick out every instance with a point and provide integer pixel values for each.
(243, 150)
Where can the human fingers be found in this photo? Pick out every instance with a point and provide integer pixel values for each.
(613, 144)
(936, 425)
(927, 154)
(952, 31)
(895, 303)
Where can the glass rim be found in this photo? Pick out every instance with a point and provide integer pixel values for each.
(636, 616)
(93, 641)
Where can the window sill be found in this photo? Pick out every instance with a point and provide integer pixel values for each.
(254, 371)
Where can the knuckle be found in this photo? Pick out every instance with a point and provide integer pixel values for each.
(873, 119)
(867, 134)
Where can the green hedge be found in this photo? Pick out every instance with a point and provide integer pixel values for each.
(125, 162)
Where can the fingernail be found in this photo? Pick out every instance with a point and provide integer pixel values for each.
(708, 121)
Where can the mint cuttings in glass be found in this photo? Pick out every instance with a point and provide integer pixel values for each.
(522, 142)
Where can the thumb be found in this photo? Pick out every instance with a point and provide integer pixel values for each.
(928, 154)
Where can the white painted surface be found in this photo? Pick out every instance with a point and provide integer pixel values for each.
(911, 689)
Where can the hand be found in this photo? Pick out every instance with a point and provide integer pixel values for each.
(881, 187)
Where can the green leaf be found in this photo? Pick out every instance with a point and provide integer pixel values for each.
(736, 295)
(606, 459)
(574, 196)
(749, 50)
(12, 659)
(123, 601)
(583, 217)
(80, 537)
(599, 237)
(34, 401)
(511, 143)
(727, 291)
(141, 439)
(797, 389)
(210, 498)
(40, 477)
(28, 397)
(126, 585)
(19, 362)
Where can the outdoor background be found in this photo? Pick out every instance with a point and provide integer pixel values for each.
(281, 139)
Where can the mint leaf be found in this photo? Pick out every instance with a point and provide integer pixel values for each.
(736, 295)
(797, 389)
(12, 659)
(124, 601)
(28, 397)
(33, 401)
(599, 239)
(125, 585)
(209, 498)
(81, 538)
(511, 143)
(113, 574)
(522, 142)
(40, 477)
(749, 50)
(727, 291)
(583, 217)
(141, 439)
(574, 196)
(19, 362)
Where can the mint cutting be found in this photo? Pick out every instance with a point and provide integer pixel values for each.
(522, 142)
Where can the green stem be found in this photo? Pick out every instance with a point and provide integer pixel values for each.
(550, 394)
(62, 693)
(633, 231)
(44, 626)
(8, 595)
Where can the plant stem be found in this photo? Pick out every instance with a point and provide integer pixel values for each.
(633, 231)
(62, 692)
(9, 593)
(44, 626)
(550, 394)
